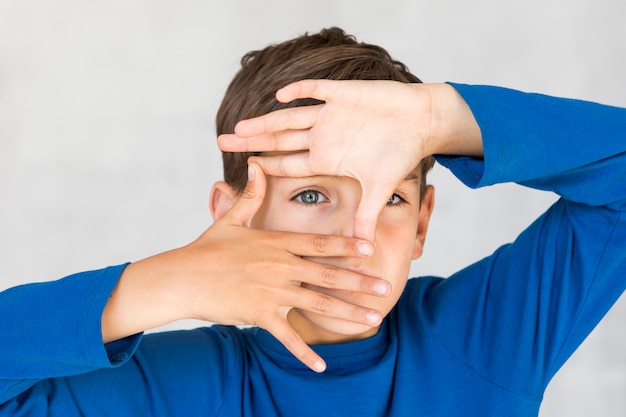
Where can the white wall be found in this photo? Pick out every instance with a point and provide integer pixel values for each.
(107, 149)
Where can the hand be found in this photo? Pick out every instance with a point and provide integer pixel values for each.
(236, 275)
(352, 134)
(374, 131)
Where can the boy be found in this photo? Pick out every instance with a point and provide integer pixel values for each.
(485, 341)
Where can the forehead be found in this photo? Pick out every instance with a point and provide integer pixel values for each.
(331, 180)
(413, 175)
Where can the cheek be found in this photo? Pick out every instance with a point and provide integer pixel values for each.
(265, 217)
(397, 243)
(397, 229)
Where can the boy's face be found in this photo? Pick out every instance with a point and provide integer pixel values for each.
(326, 205)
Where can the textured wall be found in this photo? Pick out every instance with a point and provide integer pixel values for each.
(107, 149)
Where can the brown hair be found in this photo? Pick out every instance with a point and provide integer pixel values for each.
(329, 54)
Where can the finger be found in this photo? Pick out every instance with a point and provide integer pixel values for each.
(288, 140)
(288, 165)
(314, 300)
(366, 216)
(251, 198)
(318, 89)
(328, 276)
(302, 117)
(229, 142)
(285, 334)
(317, 245)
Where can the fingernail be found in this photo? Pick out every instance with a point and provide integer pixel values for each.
(319, 366)
(251, 173)
(381, 288)
(373, 318)
(365, 249)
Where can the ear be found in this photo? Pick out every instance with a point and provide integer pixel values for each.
(221, 200)
(426, 209)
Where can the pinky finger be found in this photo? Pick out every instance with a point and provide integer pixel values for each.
(285, 334)
(318, 89)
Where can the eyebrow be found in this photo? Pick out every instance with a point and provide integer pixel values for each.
(412, 176)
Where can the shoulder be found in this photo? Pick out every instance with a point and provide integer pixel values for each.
(216, 349)
(419, 287)
(416, 293)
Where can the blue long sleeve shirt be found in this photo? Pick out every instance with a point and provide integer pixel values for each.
(484, 342)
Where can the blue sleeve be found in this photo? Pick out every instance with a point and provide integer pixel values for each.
(517, 316)
(572, 147)
(53, 329)
(53, 361)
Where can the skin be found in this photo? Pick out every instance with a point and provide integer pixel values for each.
(234, 274)
(327, 205)
(360, 133)
(307, 286)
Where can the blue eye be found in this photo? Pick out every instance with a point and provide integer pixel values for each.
(310, 197)
(394, 200)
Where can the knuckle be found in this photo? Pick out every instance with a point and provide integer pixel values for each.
(368, 284)
(264, 124)
(320, 243)
(311, 87)
(248, 193)
(274, 143)
(291, 341)
(321, 303)
(329, 276)
(282, 167)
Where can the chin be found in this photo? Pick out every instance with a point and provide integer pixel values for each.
(316, 329)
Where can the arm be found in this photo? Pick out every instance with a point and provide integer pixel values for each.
(54, 361)
(537, 299)
(560, 276)
(572, 147)
(234, 275)
(231, 275)
(53, 329)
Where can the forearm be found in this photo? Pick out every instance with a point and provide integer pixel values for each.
(146, 296)
(52, 329)
(572, 147)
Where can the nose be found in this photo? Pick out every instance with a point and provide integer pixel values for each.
(338, 223)
(341, 221)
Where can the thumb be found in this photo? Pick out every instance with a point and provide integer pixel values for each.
(366, 216)
(251, 198)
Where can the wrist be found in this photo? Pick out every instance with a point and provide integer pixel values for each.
(146, 296)
(454, 130)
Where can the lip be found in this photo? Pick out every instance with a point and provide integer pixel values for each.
(359, 270)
